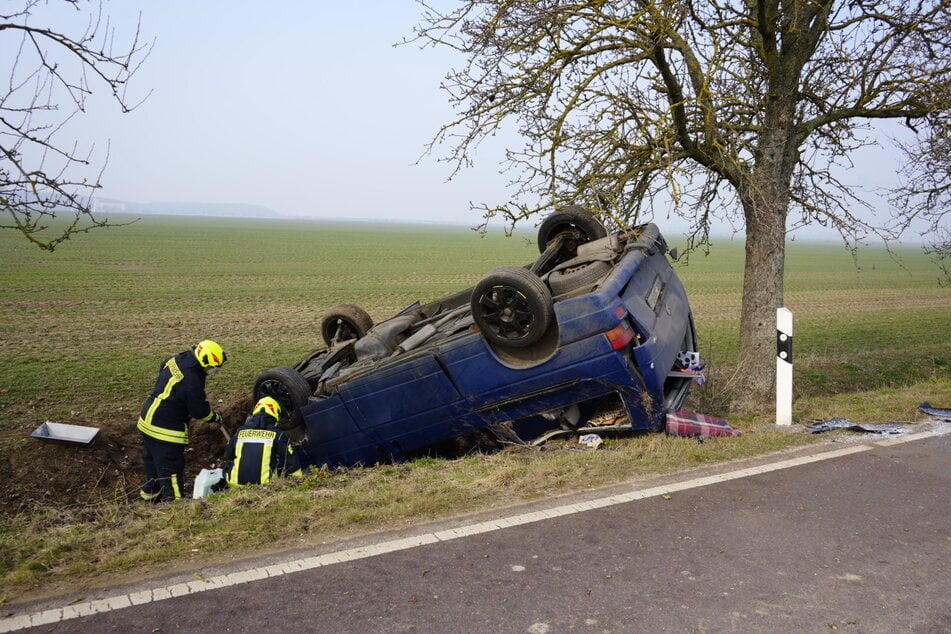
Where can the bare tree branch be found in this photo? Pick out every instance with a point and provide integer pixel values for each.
(740, 112)
(45, 184)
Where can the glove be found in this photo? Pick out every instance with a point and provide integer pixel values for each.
(215, 421)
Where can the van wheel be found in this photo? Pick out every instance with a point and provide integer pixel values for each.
(344, 322)
(290, 389)
(576, 220)
(512, 307)
(566, 280)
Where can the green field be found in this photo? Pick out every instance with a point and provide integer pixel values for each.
(84, 329)
(86, 325)
(878, 321)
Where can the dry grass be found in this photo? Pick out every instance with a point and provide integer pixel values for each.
(114, 542)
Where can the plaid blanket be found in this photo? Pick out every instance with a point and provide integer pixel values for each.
(692, 424)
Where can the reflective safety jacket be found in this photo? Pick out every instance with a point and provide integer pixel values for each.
(179, 396)
(259, 452)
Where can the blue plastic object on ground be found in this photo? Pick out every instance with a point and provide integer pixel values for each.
(942, 413)
(817, 426)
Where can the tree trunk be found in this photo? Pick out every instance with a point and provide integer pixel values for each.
(765, 199)
(762, 295)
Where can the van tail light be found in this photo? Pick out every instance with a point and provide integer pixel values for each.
(620, 335)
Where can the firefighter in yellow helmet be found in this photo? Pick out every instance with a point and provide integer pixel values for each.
(259, 451)
(178, 397)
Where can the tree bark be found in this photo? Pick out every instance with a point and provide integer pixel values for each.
(764, 194)
(762, 295)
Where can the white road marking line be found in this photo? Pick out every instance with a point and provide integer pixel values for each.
(68, 612)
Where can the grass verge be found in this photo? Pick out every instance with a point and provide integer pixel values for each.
(57, 551)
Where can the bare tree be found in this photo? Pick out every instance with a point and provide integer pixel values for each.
(52, 75)
(741, 111)
(939, 247)
(926, 193)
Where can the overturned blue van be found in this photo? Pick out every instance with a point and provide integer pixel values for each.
(598, 324)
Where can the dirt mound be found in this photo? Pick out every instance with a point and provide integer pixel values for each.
(36, 474)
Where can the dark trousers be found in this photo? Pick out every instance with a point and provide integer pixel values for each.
(164, 464)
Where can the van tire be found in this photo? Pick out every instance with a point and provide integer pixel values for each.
(289, 388)
(512, 307)
(581, 223)
(344, 322)
(587, 274)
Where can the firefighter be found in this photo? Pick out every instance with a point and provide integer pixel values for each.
(259, 451)
(178, 397)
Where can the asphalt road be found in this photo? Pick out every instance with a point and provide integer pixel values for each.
(850, 537)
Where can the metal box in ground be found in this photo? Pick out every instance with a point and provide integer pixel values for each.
(65, 434)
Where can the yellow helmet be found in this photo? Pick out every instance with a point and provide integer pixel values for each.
(210, 354)
(268, 405)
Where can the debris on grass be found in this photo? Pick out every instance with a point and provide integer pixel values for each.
(941, 413)
(817, 426)
(64, 434)
(591, 441)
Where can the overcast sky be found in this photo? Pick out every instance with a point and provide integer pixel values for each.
(305, 107)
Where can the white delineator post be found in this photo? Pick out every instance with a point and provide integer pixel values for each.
(784, 333)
